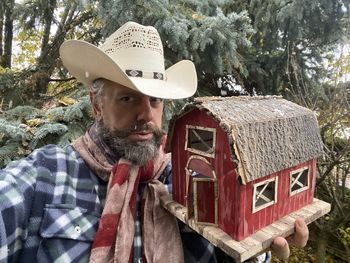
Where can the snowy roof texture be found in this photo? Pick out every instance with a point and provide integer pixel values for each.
(267, 133)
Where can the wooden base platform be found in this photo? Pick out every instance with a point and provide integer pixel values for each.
(256, 243)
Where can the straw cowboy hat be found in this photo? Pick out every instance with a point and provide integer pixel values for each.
(132, 56)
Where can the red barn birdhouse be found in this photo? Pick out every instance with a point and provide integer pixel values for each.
(243, 169)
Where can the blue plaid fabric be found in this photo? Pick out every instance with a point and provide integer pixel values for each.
(50, 205)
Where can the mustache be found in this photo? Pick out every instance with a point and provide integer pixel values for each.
(141, 128)
(145, 127)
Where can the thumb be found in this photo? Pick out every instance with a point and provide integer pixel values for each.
(280, 248)
(301, 235)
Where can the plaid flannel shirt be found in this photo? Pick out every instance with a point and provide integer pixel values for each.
(50, 205)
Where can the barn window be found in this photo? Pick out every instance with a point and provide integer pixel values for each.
(299, 180)
(201, 140)
(265, 194)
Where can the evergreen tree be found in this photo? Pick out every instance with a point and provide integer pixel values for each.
(293, 40)
(197, 30)
(52, 22)
(25, 128)
(267, 47)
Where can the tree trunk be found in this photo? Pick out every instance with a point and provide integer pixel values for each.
(321, 247)
(1, 30)
(7, 55)
(46, 62)
(48, 18)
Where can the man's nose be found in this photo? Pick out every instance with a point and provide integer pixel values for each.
(145, 111)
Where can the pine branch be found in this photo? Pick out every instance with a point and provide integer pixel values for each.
(8, 152)
(75, 111)
(45, 130)
(15, 131)
(23, 112)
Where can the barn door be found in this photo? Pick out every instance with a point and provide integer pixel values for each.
(201, 191)
(205, 200)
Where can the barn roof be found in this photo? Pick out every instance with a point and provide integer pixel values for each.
(267, 133)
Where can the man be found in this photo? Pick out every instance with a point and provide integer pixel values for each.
(97, 200)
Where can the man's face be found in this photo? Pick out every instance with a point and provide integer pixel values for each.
(129, 122)
(122, 108)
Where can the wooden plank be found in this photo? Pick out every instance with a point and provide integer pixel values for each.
(256, 243)
(232, 248)
(271, 230)
(252, 247)
(281, 225)
(312, 208)
(263, 238)
(287, 220)
(322, 206)
(303, 213)
(286, 229)
(174, 208)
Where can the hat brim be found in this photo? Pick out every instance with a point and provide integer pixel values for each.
(87, 63)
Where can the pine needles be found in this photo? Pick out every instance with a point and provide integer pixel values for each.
(25, 128)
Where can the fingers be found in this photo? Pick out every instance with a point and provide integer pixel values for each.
(280, 248)
(299, 239)
(301, 235)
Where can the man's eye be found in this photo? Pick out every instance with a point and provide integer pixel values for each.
(156, 100)
(127, 99)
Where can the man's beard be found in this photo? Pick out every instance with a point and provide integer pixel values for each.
(137, 152)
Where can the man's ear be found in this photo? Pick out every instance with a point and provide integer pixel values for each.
(96, 109)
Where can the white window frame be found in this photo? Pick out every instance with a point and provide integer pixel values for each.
(291, 183)
(213, 130)
(256, 194)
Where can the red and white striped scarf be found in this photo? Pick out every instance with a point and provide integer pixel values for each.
(114, 238)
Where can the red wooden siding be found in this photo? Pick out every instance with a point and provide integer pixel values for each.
(224, 168)
(285, 203)
(205, 202)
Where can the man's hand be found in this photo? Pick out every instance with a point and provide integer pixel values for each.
(280, 245)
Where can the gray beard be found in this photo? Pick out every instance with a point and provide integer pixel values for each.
(137, 152)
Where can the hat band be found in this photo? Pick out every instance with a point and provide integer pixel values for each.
(144, 74)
